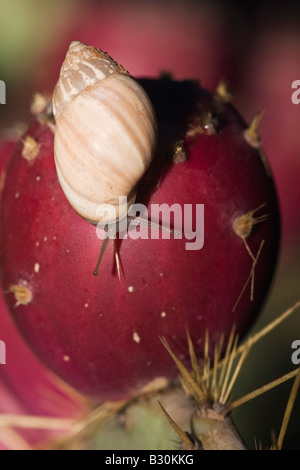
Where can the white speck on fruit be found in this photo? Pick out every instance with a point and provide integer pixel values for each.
(161, 274)
(36, 267)
(86, 305)
(45, 239)
(130, 289)
(66, 358)
(17, 195)
(136, 337)
(54, 238)
(37, 243)
(163, 314)
(38, 178)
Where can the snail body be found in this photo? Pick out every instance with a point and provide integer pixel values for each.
(105, 135)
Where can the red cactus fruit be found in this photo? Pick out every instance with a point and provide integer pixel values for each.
(102, 333)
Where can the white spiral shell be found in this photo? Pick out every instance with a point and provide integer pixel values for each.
(105, 134)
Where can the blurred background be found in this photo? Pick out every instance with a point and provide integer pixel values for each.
(255, 48)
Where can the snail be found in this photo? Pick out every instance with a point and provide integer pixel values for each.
(105, 134)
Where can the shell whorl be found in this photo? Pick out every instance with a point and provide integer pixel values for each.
(83, 66)
(105, 135)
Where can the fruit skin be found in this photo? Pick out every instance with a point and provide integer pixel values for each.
(101, 334)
